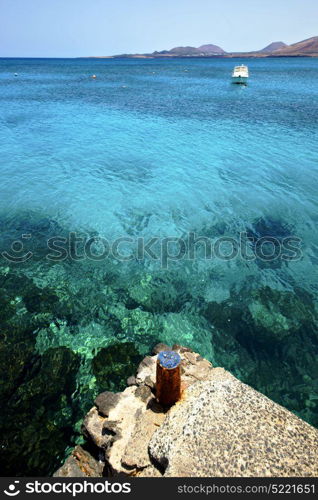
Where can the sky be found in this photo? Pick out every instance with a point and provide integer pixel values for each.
(72, 28)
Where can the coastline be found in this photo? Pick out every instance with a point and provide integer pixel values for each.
(219, 428)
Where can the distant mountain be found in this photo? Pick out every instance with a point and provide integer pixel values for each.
(204, 50)
(273, 46)
(184, 51)
(211, 49)
(308, 47)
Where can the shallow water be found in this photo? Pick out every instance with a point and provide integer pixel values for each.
(151, 149)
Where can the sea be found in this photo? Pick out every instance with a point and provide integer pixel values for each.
(154, 202)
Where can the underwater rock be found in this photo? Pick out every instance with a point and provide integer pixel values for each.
(188, 329)
(17, 336)
(265, 315)
(39, 300)
(39, 412)
(269, 227)
(281, 313)
(113, 365)
(271, 232)
(141, 327)
(16, 357)
(159, 293)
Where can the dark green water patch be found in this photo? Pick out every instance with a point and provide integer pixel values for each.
(114, 364)
(38, 419)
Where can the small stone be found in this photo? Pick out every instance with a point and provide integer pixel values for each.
(145, 363)
(191, 357)
(147, 368)
(149, 382)
(106, 401)
(92, 428)
(180, 348)
(144, 393)
(70, 468)
(131, 381)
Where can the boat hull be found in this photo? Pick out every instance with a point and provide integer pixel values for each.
(240, 79)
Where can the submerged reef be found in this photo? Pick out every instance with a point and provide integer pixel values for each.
(73, 328)
(112, 365)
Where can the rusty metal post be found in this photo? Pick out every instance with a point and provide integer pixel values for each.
(168, 378)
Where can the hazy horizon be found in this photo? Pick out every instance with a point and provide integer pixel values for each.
(37, 28)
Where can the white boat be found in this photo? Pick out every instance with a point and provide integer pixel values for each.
(240, 74)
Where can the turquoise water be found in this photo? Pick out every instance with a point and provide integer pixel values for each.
(151, 149)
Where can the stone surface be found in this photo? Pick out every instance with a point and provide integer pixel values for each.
(80, 464)
(136, 452)
(222, 427)
(147, 368)
(124, 414)
(144, 393)
(150, 471)
(93, 429)
(105, 401)
(131, 380)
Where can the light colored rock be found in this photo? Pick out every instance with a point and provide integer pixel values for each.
(105, 401)
(194, 368)
(147, 368)
(136, 452)
(222, 427)
(124, 414)
(80, 464)
(93, 428)
(150, 471)
(70, 468)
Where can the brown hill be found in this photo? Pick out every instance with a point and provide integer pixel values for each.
(273, 46)
(204, 50)
(307, 47)
(210, 49)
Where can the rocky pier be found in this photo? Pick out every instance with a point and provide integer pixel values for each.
(219, 428)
